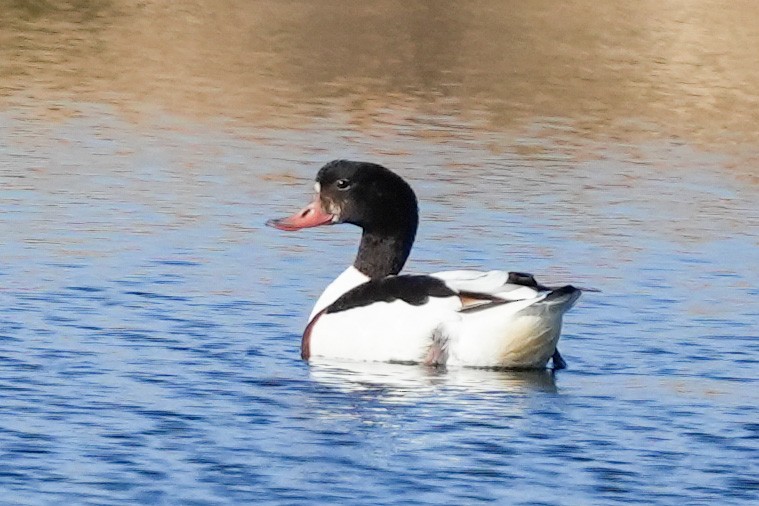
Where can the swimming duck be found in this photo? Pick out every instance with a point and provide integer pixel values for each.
(371, 312)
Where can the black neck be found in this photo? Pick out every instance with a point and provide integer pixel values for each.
(384, 254)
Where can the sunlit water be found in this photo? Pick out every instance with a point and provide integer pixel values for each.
(150, 324)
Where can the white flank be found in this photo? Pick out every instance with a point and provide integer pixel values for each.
(382, 331)
(520, 334)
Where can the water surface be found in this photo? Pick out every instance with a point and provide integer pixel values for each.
(150, 323)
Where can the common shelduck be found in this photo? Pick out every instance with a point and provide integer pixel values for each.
(453, 318)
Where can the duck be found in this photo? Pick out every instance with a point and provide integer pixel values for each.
(373, 313)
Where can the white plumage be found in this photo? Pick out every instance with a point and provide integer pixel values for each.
(521, 333)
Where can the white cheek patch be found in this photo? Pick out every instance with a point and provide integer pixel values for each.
(317, 187)
(335, 211)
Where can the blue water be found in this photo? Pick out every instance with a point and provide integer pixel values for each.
(150, 323)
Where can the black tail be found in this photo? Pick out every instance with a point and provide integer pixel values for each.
(563, 297)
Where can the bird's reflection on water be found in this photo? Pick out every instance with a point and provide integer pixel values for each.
(401, 382)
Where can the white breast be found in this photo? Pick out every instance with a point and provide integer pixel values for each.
(349, 279)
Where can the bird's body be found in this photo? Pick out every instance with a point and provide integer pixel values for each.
(455, 318)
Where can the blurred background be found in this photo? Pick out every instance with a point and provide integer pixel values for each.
(682, 70)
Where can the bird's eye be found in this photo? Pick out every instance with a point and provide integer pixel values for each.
(342, 184)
